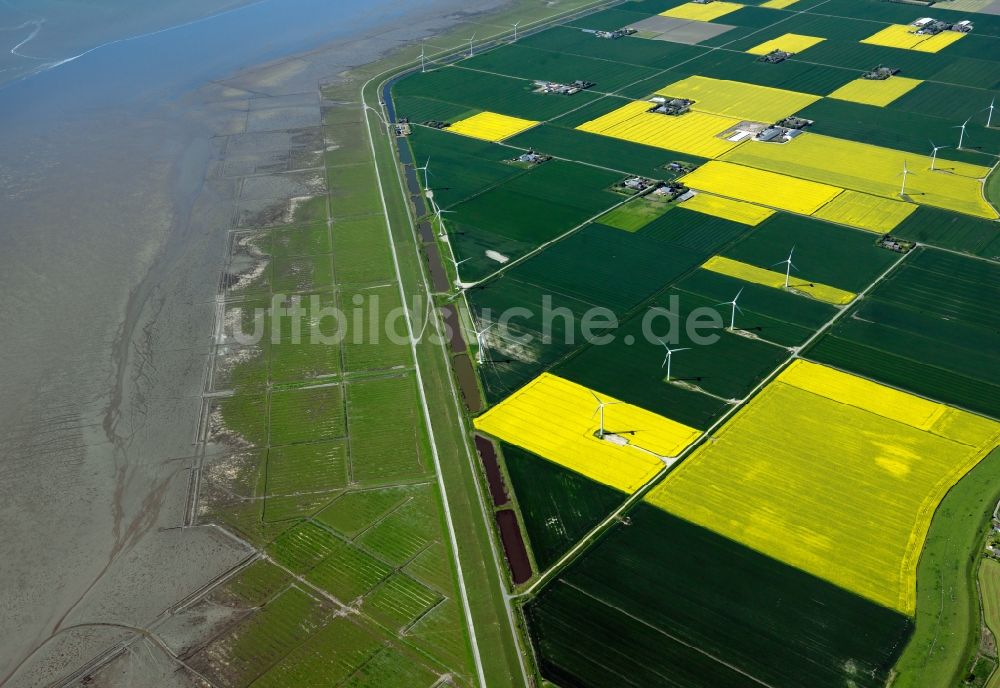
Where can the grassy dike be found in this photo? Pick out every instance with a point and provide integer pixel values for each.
(503, 661)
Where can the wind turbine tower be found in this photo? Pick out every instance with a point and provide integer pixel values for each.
(668, 359)
(736, 307)
(934, 150)
(961, 134)
(902, 189)
(600, 409)
(787, 262)
(481, 343)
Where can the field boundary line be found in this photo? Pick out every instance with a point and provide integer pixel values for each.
(663, 632)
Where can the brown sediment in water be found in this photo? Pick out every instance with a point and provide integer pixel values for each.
(513, 546)
(488, 455)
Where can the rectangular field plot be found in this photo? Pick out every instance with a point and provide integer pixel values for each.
(864, 211)
(306, 414)
(694, 133)
(589, 266)
(692, 10)
(719, 615)
(931, 328)
(635, 215)
(695, 231)
(762, 187)
(361, 252)
(491, 126)
(737, 211)
(558, 505)
(554, 418)
(313, 467)
(375, 336)
(958, 232)
(887, 450)
(905, 36)
(385, 430)
(778, 280)
(737, 99)
(638, 52)
(878, 92)
(869, 169)
(789, 43)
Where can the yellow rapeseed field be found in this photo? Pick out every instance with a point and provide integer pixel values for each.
(699, 12)
(693, 133)
(556, 419)
(824, 471)
(778, 4)
(871, 169)
(760, 186)
(789, 42)
(738, 99)
(906, 37)
(491, 126)
(879, 92)
(771, 278)
(874, 213)
(737, 211)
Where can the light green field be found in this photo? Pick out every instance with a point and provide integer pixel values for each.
(947, 619)
(635, 214)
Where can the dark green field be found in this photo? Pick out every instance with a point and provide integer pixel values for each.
(931, 328)
(631, 367)
(558, 505)
(694, 609)
(823, 252)
(950, 230)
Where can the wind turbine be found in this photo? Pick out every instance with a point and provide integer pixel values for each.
(458, 278)
(440, 220)
(515, 37)
(989, 117)
(732, 321)
(426, 170)
(902, 189)
(787, 262)
(600, 409)
(934, 150)
(669, 358)
(961, 134)
(470, 44)
(481, 342)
